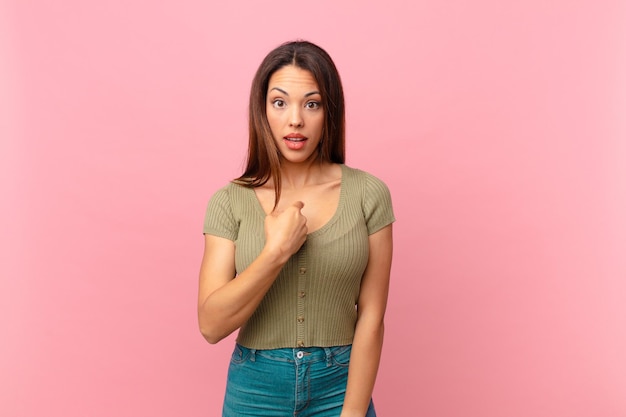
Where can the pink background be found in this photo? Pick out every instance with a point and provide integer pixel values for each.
(499, 127)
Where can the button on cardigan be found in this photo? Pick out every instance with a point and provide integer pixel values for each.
(312, 301)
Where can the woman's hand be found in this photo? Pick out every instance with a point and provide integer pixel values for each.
(285, 231)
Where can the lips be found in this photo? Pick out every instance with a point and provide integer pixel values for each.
(295, 141)
(295, 137)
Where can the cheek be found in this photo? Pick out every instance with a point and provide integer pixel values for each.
(319, 122)
(272, 120)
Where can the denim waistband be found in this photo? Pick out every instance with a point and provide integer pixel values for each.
(304, 354)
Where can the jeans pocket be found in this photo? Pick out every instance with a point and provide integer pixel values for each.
(341, 355)
(240, 354)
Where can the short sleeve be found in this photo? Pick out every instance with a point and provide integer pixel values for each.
(377, 206)
(219, 219)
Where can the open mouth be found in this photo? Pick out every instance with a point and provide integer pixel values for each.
(295, 142)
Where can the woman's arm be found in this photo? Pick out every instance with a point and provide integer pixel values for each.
(368, 337)
(224, 303)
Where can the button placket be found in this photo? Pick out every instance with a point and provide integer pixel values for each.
(302, 287)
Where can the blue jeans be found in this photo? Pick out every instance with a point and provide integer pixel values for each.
(302, 382)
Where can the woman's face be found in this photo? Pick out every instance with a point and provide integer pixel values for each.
(295, 114)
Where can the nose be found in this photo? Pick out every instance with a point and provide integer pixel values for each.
(296, 118)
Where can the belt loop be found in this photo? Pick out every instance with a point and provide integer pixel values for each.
(329, 355)
(252, 355)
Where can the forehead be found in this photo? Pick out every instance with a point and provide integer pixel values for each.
(292, 78)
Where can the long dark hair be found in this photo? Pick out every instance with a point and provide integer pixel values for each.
(263, 161)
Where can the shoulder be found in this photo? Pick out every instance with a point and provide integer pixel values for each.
(374, 195)
(229, 198)
(229, 191)
(223, 211)
(367, 181)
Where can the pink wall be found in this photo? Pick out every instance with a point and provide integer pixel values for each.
(499, 127)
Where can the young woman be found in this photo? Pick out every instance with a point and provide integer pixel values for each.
(298, 252)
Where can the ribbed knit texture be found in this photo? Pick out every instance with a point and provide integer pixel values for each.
(312, 302)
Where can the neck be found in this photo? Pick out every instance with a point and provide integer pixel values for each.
(301, 174)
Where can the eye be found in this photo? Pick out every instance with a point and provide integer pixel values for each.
(312, 105)
(278, 103)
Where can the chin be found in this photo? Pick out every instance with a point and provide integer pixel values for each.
(298, 159)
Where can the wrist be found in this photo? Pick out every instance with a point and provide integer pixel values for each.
(274, 256)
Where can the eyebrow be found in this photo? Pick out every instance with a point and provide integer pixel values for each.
(287, 94)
